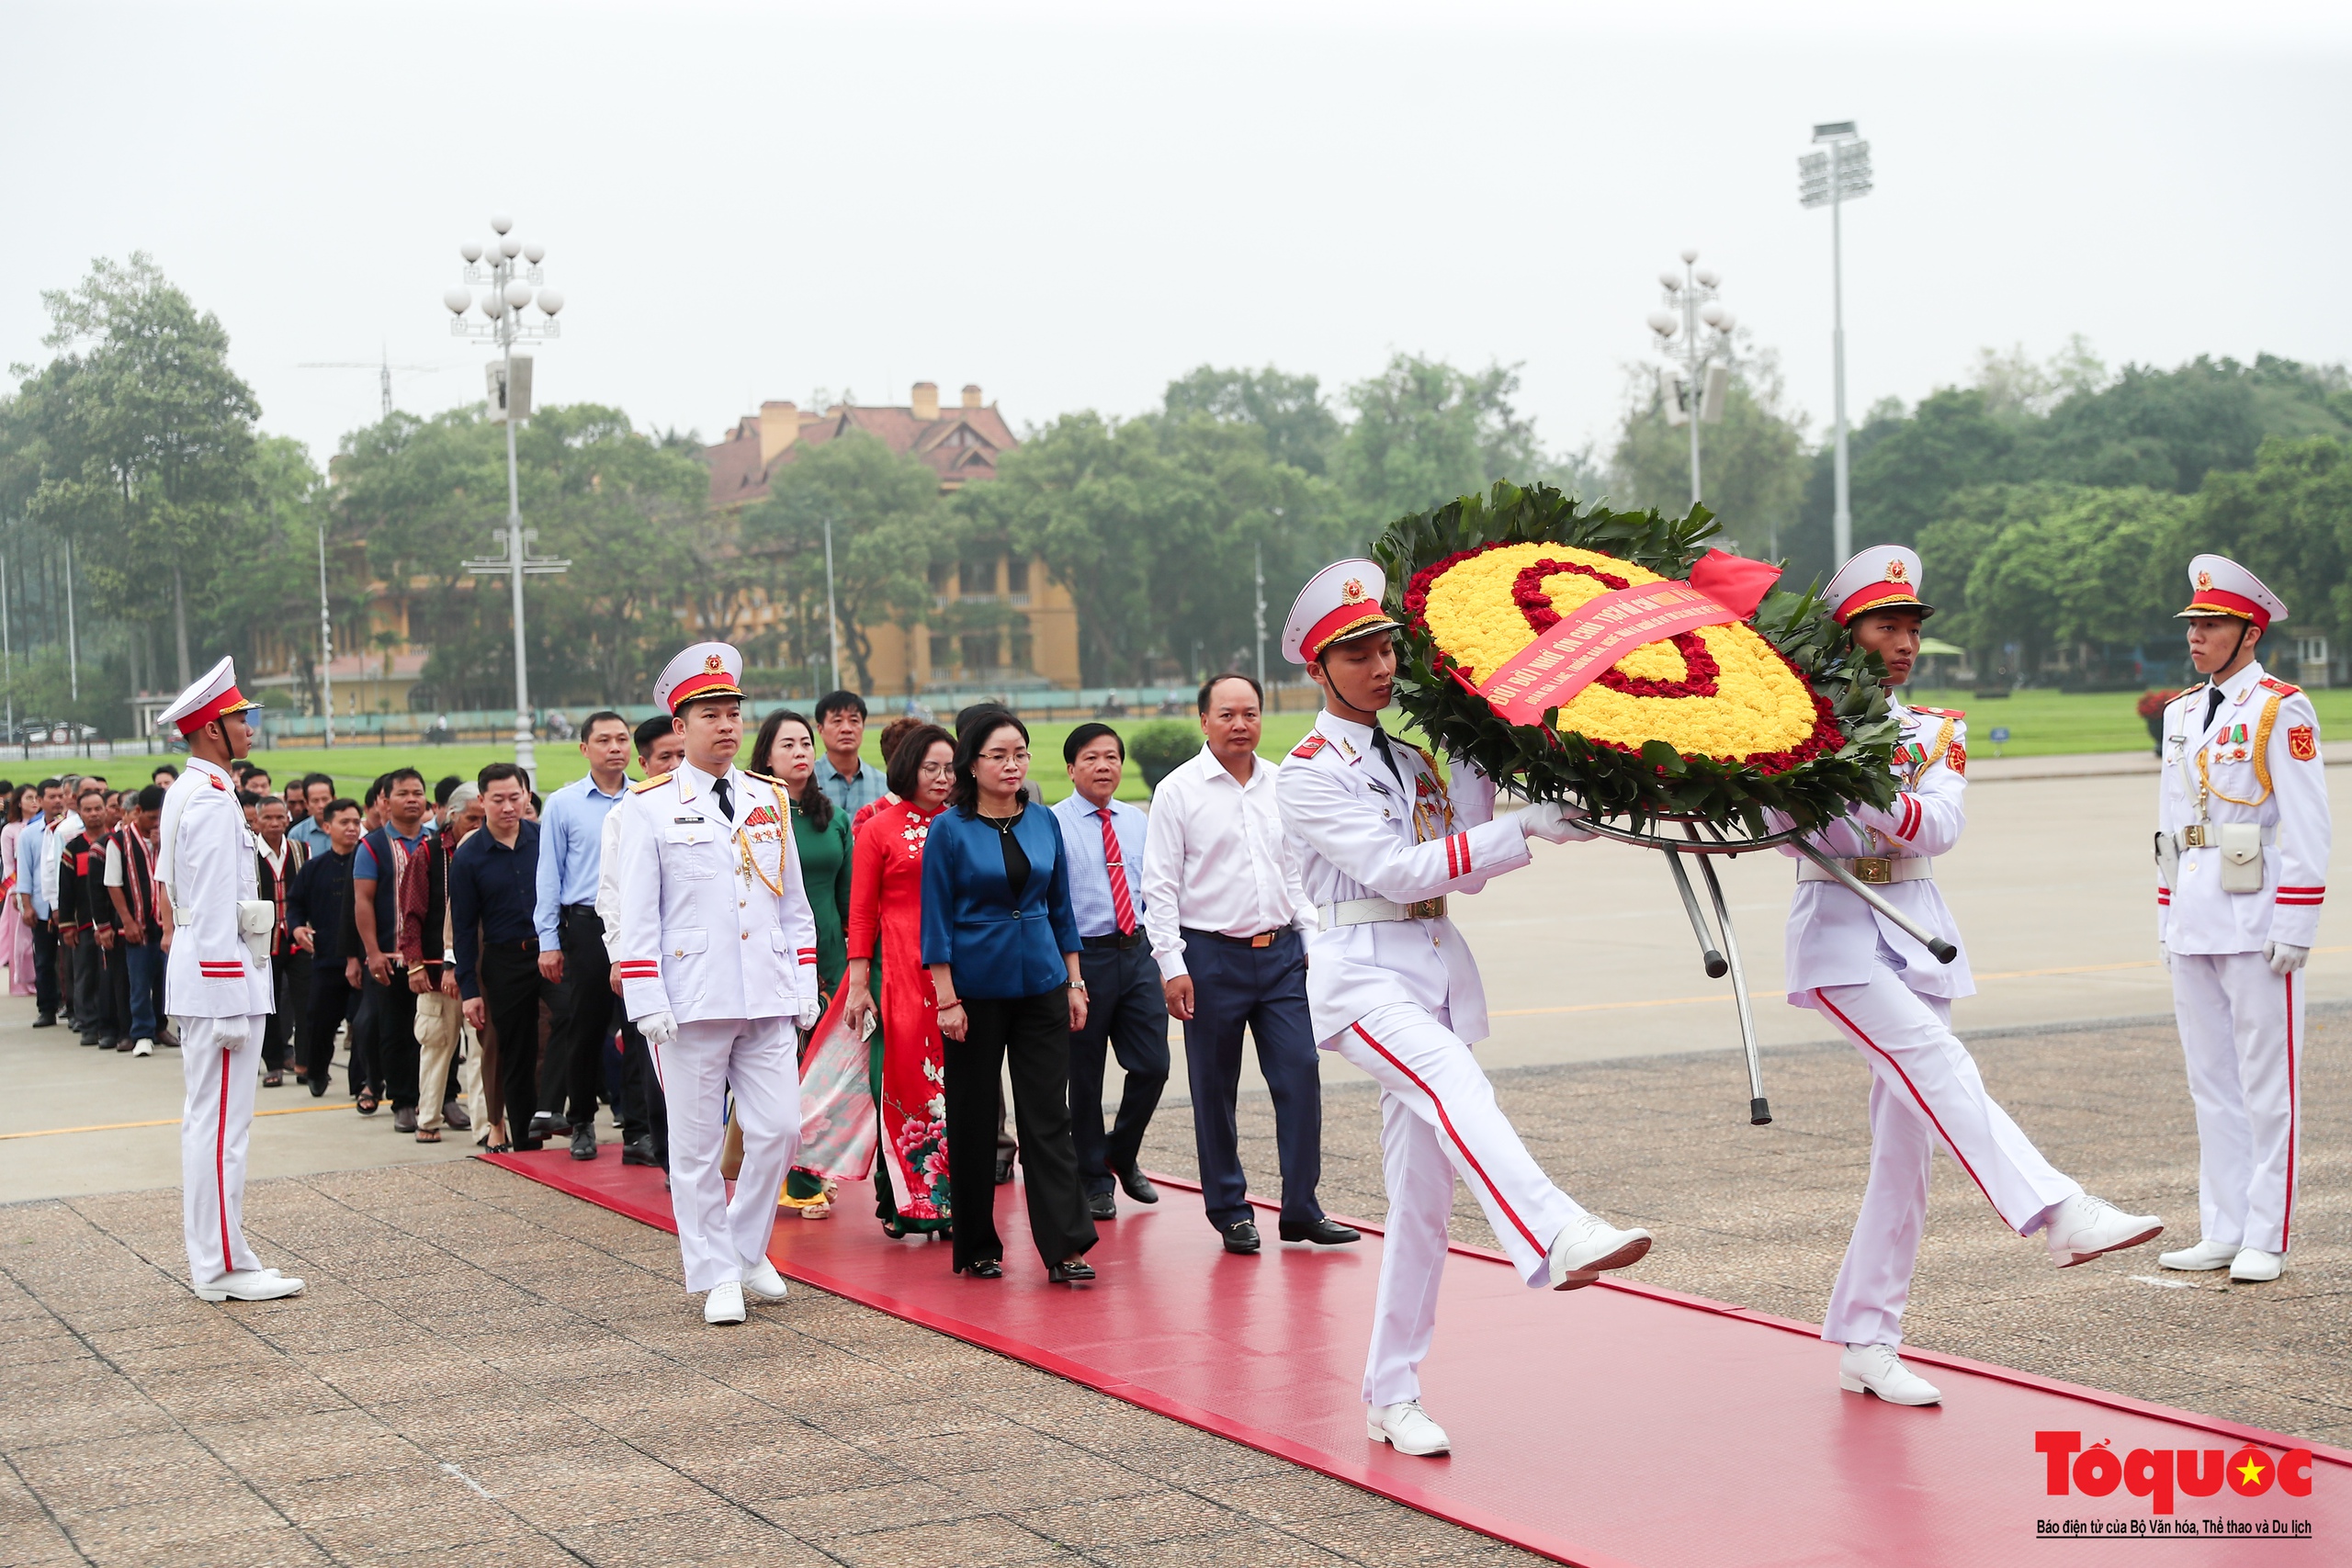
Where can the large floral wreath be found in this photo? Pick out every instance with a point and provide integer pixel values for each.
(1720, 722)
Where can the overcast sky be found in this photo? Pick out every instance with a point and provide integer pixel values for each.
(749, 201)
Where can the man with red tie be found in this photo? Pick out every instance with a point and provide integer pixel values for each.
(1125, 1012)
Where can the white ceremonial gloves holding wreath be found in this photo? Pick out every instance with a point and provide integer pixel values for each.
(2283, 958)
(1555, 823)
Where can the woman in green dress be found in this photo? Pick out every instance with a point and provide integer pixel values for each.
(786, 752)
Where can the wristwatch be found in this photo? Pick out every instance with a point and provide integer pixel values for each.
(1078, 986)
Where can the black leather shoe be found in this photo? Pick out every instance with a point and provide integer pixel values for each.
(1076, 1273)
(639, 1153)
(1322, 1233)
(46, 1021)
(1241, 1237)
(1102, 1206)
(583, 1143)
(1003, 1170)
(530, 1146)
(1138, 1185)
(986, 1269)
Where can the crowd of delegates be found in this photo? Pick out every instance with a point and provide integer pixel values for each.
(450, 945)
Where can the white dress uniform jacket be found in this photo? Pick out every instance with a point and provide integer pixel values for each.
(2236, 754)
(205, 857)
(1364, 832)
(731, 935)
(1832, 936)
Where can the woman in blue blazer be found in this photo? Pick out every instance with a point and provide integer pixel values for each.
(1002, 949)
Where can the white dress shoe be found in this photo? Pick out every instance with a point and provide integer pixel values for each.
(762, 1284)
(2205, 1255)
(1589, 1244)
(142, 1047)
(1406, 1428)
(2085, 1227)
(1876, 1368)
(2252, 1266)
(250, 1285)
(724, 1304)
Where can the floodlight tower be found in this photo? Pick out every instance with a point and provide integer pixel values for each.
(510, 268)
(1697, 394)
(1832, 179)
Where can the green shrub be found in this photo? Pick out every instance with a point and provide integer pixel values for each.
(1162, 746)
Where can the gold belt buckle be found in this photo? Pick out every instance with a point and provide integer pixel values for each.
(2193, 836)
(1427, 909)
(1876, 871)
(1264, 938)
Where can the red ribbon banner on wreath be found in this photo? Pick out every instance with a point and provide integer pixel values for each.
(1550, 671)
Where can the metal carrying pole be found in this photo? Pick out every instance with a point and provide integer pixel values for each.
(1943, 950)
(1760, 1112)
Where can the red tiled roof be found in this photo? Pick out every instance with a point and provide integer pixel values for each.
(962, 445)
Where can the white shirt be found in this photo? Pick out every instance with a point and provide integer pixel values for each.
(53, 851)
(1216, 859)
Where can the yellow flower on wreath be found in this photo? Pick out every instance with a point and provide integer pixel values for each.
(1761, 706)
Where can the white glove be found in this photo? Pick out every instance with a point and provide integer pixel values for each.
(2164, 952)
(2283, 959)
(808, 1015)
(1554, 823)
(660, 1029)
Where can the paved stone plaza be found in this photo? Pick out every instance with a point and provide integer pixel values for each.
(484, 1370)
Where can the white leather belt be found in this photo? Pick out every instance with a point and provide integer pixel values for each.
(2207, 835)
(1371, 911)
(1874, 871)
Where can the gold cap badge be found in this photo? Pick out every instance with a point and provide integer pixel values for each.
(1351, 590)
(1897, 572)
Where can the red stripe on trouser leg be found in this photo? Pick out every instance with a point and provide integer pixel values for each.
(1823, 997)
(1447, 1123)
(2286, 1216)
(220, 1163)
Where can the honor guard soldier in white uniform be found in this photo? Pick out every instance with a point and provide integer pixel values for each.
(1888, 995)
(1381, 841)
(217, 983)
(718, 965)
(2242, 842)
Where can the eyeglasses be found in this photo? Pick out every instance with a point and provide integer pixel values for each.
(937, 769)
(999, 759)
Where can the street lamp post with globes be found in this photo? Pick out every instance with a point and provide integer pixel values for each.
(1704, 381)
(510, 268)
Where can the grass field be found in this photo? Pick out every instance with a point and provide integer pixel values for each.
(2040, 723)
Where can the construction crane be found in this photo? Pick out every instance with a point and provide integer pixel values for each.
(384, 369)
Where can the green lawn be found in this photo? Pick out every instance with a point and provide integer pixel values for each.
(2044, 724)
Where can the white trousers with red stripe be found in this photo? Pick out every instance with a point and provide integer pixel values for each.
(720, 1238)
(217, 1061)
(1926, 1094)
(1439, 1120)
(2242, 1031)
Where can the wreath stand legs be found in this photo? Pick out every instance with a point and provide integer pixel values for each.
(1719, 962)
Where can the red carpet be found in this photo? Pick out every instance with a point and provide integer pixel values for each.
(1618, 1425)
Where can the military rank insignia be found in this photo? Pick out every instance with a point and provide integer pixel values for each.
(1311, 745)
(2301, 744)
(1956, 758)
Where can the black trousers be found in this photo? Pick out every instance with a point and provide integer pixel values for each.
(117, 990)
(45, 994)
(394, 1011)
(332, 1000)
(1127, 1012)
(277, 1029)
(1236, 986)
(644, 1110)
(296, 968)
(510, 995)
(573, 1076)
(89, 986)
(1031, 1036)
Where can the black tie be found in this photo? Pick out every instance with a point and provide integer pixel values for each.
(2212, 705)
(1380, 744)
(726, 798)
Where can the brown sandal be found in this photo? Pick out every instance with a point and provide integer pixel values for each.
(428, 1135)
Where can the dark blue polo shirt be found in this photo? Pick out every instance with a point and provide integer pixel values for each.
(493, 892)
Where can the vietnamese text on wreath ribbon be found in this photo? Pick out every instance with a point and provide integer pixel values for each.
(1550, 671)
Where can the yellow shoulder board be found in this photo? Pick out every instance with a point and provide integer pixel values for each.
(643, 785)
(2272, 684)
(765, 778)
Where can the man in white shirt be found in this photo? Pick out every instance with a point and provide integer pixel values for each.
(1104, 839)
(1229, 922)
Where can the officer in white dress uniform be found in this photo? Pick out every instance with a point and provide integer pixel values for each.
(1888, 995)
(1381, 842)
(2241, 848)
(717, 964)
(217, 985)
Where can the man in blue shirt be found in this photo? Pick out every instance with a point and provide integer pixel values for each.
(1127, 1009)
(311, 832)
(572, 954)
(32, 904)
(847, 781)
(493, 881)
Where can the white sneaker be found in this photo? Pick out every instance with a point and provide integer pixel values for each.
(724, 1304)
(250, 1285)
(1406, 1428)
(762, 1284)
(2085, 1227)
(142, 1047)
(2205, 1255)
(2255, 1267)
(1876, 1368)
(1589, 1244)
